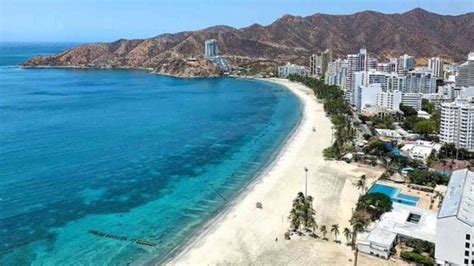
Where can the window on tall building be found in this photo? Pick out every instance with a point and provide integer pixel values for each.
(466, 253)
(467, 245)
(468, 237)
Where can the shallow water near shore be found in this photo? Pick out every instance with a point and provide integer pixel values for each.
(127, 153)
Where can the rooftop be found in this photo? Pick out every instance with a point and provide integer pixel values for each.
(459, 198)
(403, 220)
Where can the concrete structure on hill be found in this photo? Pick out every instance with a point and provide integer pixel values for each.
(457, 123)
(291, 69)
(455, 223)
(210, 48)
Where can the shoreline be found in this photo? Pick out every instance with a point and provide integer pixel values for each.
(242, 234)
(257, 179)
(147, 69)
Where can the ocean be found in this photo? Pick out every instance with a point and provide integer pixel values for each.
(93, 160)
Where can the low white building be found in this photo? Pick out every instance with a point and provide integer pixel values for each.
(412, 100)
(291, 69)
(402, 222)
(420, 150)
(455, 224)
(389, 134)
(423, 114)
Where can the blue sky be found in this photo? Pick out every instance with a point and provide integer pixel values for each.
(107, 20)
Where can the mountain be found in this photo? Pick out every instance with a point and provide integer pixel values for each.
(288, 39)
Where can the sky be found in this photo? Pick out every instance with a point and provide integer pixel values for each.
(108, 20)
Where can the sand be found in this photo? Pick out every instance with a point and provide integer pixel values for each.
(245, 235)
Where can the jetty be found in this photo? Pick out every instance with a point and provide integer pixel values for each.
(122, 238)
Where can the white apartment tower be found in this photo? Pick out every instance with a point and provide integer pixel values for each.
(389, 100)
(457, 123)
(436, 66)
(420, 81)
(318, 63)
(465, 77)
(455, 223)
(407, 62)
(210, 48)
(356, 62)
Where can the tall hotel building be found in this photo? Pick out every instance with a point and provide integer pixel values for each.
(210, 48)
(465, 76)
(436, 66)
(356, 63)
(457, 123)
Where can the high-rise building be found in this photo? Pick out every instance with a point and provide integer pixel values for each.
(436, 66)
(392, 65)
(367, 96)
(337, 73)
(318, 63)
(389, 100)
(465, 76)
(457, 123)
(407, 62)
(313, 65)
(210, 48)
(455, 223)
(356, 62)
(420, 81)
(372, 64)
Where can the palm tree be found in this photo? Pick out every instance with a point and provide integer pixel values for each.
(347, 233)
(335, 230)
(323, 230)
(302, 213)
(359, 221)
(361, 184)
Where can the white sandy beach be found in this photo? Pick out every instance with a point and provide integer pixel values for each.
(245, 235)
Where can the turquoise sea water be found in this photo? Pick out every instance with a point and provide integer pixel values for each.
(127, 153)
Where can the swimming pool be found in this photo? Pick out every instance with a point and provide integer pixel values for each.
(394, 194)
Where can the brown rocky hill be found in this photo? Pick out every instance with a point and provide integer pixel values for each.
(290, 38)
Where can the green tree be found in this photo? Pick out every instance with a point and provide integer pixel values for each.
(408, 110)
(347, 234)
(427, 106)
(375, 204)
(359, 221)
(323, 230)
(335, 230)
(361, 184)
(425, 127)
(302, 213)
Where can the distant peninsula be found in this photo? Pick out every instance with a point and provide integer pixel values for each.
(260, 48)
